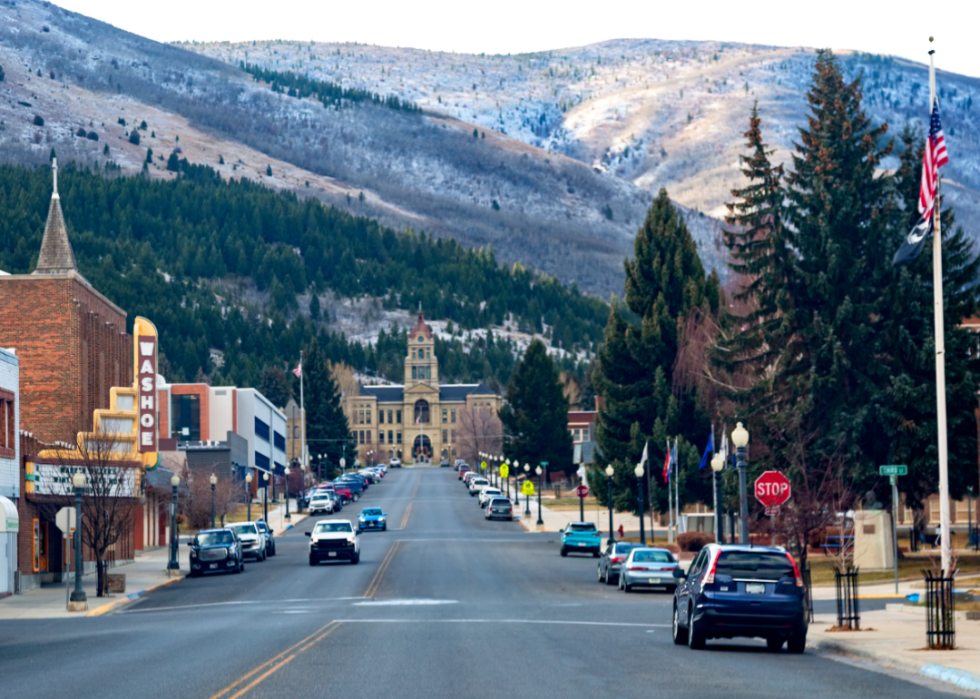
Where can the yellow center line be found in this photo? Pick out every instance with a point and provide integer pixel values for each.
(278, 657)
(261, 678)
(408, 511)
(376, 581)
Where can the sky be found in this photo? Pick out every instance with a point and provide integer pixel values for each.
(898, 28)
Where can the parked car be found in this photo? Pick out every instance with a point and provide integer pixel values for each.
(444, 463)
(372, 518)
(612, 559)
(469, 476)
(355, 486)
(321, 502)
(648, 567)
(216, 551)
(477, 484)
(487, 494)
(741, 591)
(500, 507)
(580, 537)
(334, 540)
(252, 538)
(395, 462)
(270, 541)
(462, 471)
(344, 492)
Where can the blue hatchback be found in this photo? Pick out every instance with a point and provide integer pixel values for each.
(749, 591)
(372, 518)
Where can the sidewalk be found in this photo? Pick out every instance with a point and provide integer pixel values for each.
(277, 517)
(556, 520)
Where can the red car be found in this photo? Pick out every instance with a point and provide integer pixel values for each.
(462, 471)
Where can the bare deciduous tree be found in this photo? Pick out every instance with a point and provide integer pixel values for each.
(228, 493)
(480, 430)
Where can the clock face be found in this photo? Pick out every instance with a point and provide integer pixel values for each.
(420, 338)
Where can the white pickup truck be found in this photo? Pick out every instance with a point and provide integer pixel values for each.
(477, 484)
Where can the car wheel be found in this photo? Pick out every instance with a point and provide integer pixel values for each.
(384, 527)
(595, 554)
(775, 643)
(265, 555)
(624, 586)
(238, 568)
(312, 561)
(678, 633)
(797, 642)
(355, 559)
(564, 552)
(695, 634)
(194, 574)
(610, 580)
(598, 571)
(356, 497)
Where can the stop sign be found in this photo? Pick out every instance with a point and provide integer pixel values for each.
(582, 491)
(772, 489)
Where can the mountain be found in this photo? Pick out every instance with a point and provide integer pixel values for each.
(653, 113)
(67, 74)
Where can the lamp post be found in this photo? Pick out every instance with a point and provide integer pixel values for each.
(527, 498)
(173, 564)
(299, 502)
(214, 482)
(248, 494)
(638, 471)
(539, 471)
(740, 438)
(969, 515)
(286, 472)
(265, 495)
(609, 485)
(78, 602)
(507, 479)
(717, 466)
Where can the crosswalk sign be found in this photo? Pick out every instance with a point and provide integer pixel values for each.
(528, 488)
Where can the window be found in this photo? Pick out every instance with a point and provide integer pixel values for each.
(445, 436)
(362, 437)
(367, 413)
(445, 416)
(381, 417)
(262, 461)
(390, 435)
(185, 418)
(453, 413)
(279, 441)
(261, 429)
(414, 373)
(398, 436)
(369, 436)
(8, 438)
(381, 437)
(360, 417)
(428, 354)
(398, 416)
(585, 434)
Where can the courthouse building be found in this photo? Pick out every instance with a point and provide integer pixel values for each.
(420, 420)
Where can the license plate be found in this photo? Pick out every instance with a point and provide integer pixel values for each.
(580, 544)
(214, 565)
(332, 553)
(654, 581)
(755, 588)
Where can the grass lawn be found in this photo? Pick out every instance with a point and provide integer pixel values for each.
(822, 569)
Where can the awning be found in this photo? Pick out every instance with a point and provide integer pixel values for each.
(9, 519)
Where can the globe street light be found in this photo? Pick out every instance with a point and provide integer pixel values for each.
(527, 498)
(507, 480)
(609, 485)
(78, 602)
(740, 438)
(286, 472)
(248, 493)
(539, 471)
(717, 466)
(265, 496)
(638, 471)
(173, 564)
(214, 482)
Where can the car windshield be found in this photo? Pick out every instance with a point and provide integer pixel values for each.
(371, 511)
(214, 538)
(759, 565)
(246, 529)
(320, 497)
(652, 557)
(322, 527)
(500, 501)
(263, 526)
(582, 527)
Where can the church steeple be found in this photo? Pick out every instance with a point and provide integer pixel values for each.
(56, 255)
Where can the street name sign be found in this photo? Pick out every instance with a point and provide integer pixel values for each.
(772, 489)
(528, 488)
(893, 470)
(582, 491)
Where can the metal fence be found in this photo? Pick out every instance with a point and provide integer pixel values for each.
(940, 627)
(848, 613)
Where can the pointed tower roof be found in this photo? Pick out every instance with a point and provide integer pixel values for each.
(56, 254)
(420, 326)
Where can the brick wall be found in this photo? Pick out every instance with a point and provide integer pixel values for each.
(73, 348)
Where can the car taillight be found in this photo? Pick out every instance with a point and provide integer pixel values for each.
(637, 568)
(710, 577)
(796, 571)
(618, 559)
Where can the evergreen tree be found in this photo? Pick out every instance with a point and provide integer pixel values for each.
(315, 307)
(535, 416)
(327, 430)
(274, 385)
(149, 156)
(268, 170)
(173, 162)
(134, 137)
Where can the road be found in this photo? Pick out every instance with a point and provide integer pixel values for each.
(443, 604)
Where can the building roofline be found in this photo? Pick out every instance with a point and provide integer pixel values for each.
(5, 278)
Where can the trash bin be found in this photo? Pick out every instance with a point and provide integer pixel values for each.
(116, 583)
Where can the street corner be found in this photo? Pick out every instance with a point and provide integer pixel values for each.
(131, 597)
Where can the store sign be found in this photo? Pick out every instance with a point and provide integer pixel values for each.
(146, 378)
(112, 481)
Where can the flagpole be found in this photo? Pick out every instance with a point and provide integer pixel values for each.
(670, 507)
(302, 411)
(714, 489)
(677, 498)
(937, 290)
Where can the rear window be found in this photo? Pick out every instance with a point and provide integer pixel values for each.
(750, 564)
(652, 557)
(625, 548)
(582, 527)
(215, 538)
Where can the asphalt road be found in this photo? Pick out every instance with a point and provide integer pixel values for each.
(443, 604)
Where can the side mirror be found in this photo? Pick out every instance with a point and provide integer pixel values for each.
(679, 574)
(190, 543)
(309, 533)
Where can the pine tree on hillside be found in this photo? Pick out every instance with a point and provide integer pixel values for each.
(327, 430)
(535, 415)
(274, 385)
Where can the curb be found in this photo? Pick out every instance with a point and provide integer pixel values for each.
(950, 675)
(115, 604)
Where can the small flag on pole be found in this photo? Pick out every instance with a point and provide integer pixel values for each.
(667, 464)
(933, 158)
(298, 370)
(645, 457)
(707, 450)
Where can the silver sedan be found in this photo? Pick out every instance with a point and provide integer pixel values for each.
(648, 567)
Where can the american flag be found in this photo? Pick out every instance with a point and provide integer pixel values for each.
(298, 370)
(934, 158)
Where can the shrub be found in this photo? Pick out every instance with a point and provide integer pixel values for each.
(495, 205)
(134, 137)
(80, 133)
(38, 120)
(143, 126)
(105, 151)
(92, 136)
(121, 121)
(694, 541)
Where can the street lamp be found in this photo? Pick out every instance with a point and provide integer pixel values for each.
(609, 485)
(527, 498)
(173, 564)
(740, 438)
(79, 600)
(638, 471)
(717, 466)
(214, 482)
(248, 494)
(265, 495)
(286, 472)
(507, 480)
(539, 471)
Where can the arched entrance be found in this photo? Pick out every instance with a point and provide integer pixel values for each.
(422, 449)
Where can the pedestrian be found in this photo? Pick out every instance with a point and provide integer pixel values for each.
(620, 531)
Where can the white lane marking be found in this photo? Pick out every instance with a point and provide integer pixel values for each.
(499, 621)
(405, 602)
(236, 603)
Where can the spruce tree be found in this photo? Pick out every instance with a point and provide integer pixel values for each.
(327, 430)
(535, 416)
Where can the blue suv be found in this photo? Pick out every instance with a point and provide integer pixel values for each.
(748, 591)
